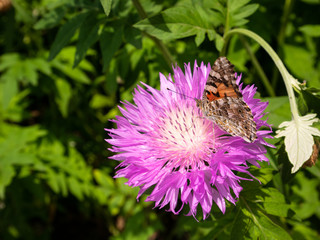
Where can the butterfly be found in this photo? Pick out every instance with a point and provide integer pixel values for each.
(222, 102)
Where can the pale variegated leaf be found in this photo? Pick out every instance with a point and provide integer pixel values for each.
(298, 139)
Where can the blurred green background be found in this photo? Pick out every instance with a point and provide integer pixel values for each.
(66, 65)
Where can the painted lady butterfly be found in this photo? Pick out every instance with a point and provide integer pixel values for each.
(223, 104)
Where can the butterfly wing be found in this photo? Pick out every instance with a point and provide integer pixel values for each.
(223, 103)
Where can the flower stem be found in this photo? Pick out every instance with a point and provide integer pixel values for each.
(257, 65)
(281, 36)
(284, 73)
(166, 53)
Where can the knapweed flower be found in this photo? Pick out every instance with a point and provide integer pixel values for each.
(165, 144)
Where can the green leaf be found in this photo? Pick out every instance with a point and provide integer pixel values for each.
(75, 187)
(274, 202)
(9, 90)
(313, 2)
(301, 231)
(106, 4)
(174, 23)
(74, 73)
(232, 12)
(51, 19)
(240, 226)
(63, 98)
(6, 174)
(200, 37)
(238, 17)
(30, 72)
(61, 180)
(100, 101)
(42, 65)
(268, 229)
(65, 33)
(52, 180)
(311, 30)
(312, 98)
(133, 36)
(278, 110)
(88, 36)
(111, 78)
(301, 62)
(219, 41)
(306, 195)
(302, 104)
(109, 44)
(8, 60)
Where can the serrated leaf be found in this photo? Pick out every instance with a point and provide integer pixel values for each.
(106, 4)
(274, 202)
(233, 12)
(174, 23)
(311, 30)
(238, 17)
(298, 134)
(236, 4)
(88, 36)
(65, 33)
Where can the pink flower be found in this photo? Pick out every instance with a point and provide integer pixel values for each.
(164, 143)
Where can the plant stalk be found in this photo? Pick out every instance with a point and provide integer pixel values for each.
(166, 53)
(282, 69)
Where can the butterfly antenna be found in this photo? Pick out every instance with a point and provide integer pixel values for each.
(181, 94)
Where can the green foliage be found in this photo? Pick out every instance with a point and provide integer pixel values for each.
(64, 67)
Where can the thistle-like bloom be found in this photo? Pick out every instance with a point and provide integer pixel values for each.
(165, 144)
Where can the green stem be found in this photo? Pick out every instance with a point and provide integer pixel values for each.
(284, 73)
(257, 66)
(166, 53)
(281, 36)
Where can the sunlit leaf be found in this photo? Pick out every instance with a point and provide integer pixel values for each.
(106, 4)
(298, 134)
(311, 30)
(174, 23)
(64, 91)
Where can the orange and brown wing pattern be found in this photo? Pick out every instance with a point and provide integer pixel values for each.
(222, 102)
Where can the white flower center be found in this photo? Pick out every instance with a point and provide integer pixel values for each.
(184, 139)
